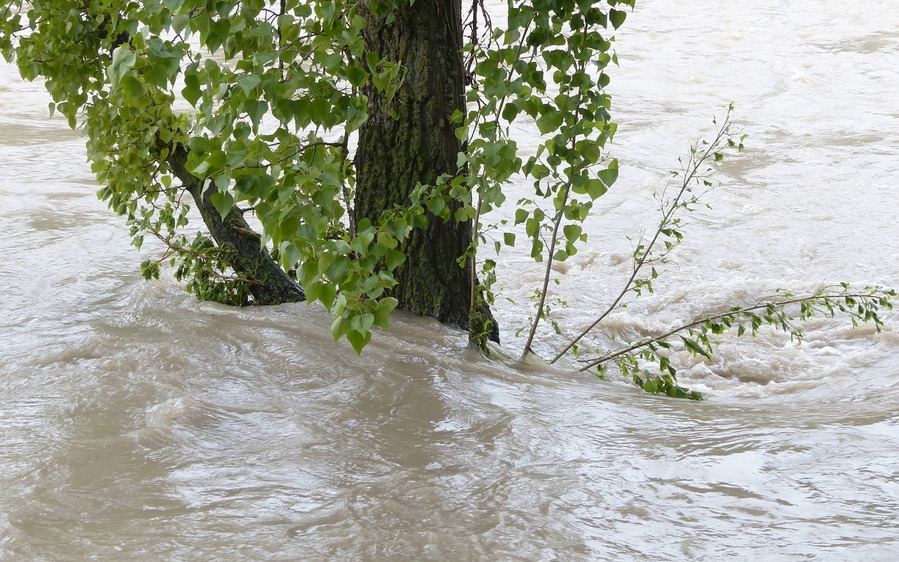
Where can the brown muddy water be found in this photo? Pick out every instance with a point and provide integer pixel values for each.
(137, 424)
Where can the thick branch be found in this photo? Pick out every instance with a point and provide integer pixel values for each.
(269, 283)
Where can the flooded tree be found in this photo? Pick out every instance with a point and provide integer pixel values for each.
(409, 139)
(341, 152)
(353, 152)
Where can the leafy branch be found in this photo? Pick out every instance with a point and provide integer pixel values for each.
(783, 312)
(694, 173)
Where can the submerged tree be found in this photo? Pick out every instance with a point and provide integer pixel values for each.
(409, 139)
(366, 138)
(349, 151)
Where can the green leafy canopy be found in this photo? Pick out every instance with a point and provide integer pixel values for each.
(264, 100)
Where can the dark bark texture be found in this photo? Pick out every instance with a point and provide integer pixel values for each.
(410, 139)
(269, 284)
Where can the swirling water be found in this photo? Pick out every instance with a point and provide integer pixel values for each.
(139, 424)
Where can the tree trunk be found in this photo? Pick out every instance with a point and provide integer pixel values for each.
(269, 284)
(410, 140)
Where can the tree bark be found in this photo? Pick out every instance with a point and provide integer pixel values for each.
(269, 284)
(409, 140)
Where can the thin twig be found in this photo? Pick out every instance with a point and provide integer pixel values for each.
(733, 312)
(690, 174)
(548, 270)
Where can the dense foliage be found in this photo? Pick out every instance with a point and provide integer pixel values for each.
(260, 102)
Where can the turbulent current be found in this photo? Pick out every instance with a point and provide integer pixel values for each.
(138, 424)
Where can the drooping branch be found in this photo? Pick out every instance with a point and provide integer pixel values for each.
(859, 306)
(269, 283)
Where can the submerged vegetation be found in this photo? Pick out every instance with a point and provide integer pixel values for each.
(354, 153)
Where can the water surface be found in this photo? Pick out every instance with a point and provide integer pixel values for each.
(139, 424)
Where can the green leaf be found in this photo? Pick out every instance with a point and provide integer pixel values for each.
(157, 75)
(290, 255)
(572, 232)
(356, 118)
(521, 215)
(361, 241)
(394, 259)
(123, 59)
(355, 75)
(694, 348)
(617, 17)
(532, 227)
(589, 150)
(200, 169)
(326, 295)
(510, 112)
(313, 290)
(337, 271)
(248, 82)
(222, 182)
(595, 188)
(256, 109)
(339, 327)
(223, 202)
(191, 91)
(550, 121)
(610, 174)
(358, 340)
(132, 87)
(362, 323)
(382, 312)
(436, 205)
(462, 214)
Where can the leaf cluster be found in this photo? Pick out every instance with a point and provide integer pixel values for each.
(547, 67)
(244, 103)
(783, 311)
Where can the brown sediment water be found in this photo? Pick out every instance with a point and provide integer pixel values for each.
(138, 424)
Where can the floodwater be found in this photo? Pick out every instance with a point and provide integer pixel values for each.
(138, 424)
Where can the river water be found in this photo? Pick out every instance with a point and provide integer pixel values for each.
(138, 424)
